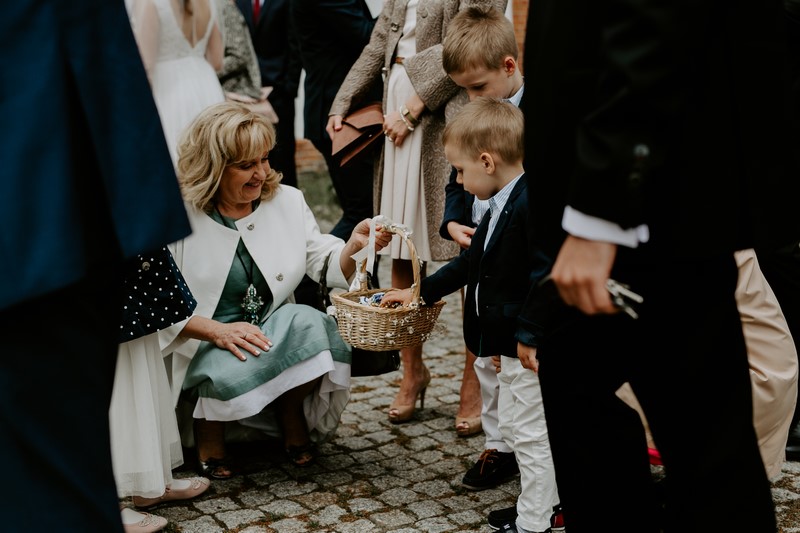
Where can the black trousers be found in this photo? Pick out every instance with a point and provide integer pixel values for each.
(686, 361)
(353, 186)
(281, 158)
(56, 377)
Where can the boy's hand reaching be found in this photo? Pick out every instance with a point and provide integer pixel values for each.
(393, 296)
(461, 235)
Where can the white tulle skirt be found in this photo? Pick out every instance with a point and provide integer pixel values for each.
(145, 444)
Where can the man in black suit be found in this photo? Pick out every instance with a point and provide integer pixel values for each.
(653, 135)
(87, 180)
(331, 35)
(279, 61)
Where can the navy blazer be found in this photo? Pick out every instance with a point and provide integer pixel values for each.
(331, 35)
(275, 45)
(506, 271)
(86, 174)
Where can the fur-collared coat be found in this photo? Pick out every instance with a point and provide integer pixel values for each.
(430, 82)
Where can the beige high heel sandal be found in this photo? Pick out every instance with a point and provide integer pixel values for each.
(403, 413)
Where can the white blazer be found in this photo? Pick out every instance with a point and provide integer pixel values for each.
(284, 240)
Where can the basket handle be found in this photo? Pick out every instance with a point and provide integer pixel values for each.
(415, 287)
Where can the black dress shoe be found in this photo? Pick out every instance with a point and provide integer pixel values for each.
(499, 517)
(793, 443)
(492, 469)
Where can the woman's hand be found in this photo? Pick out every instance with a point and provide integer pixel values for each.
(394, 128)
(393, 296)
(237, 335)
(334, 125)
(359, 239)
(229, 337)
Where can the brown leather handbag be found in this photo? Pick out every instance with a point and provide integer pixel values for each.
(361, 130)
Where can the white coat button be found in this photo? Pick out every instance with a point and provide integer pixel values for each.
(250, 226)
(279, 277)
(145, 266)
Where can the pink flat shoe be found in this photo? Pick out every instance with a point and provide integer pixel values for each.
(197, 486)
(147, 523)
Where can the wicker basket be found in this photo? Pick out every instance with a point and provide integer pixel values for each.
(379, 328)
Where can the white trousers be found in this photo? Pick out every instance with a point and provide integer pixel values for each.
(490, 389)
(523, 426)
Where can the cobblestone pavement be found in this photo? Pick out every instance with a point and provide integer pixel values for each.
(375, 476)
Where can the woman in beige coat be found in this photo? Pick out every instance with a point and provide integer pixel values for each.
(405, 53)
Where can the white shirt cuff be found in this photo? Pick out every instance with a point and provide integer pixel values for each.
(597, 229)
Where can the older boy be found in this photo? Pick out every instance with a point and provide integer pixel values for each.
(484, 145)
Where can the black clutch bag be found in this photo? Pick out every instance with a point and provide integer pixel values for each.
(155, 295)
(364, 363)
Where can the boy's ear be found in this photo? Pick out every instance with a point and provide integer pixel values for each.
(488, 162)
(509, 65)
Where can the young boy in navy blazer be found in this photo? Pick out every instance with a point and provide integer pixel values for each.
(484, 143)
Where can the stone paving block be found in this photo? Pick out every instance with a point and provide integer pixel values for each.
(421, 443)
(332, 479)
(414, 430)
(233, 519)
(358, 526)
(466, 518)
(783, 495)
(282, 508)
(428, 457)
(446, 436)
(383, 483)
(494, 495)
(256, 497)
(416, 475)
(371, 427)
(204, 524)
(355, 443)
(328, 516)
(255, 529)
(380, 437)
(344, 431)
(289, 525)
(367, 456)
(450, 398)
(425, 508)
(368, 505)
(459, 503)
(265, 478)
(358, 407)
(392, 450)
(292, 488)
(216, 505)
(335, 462)
(399, 496)
(317, 500)
(378, 412)
(367, 470)
(391, 519)
(450, 466)
(400, 463)
(437, 524)
(433, 489)
(177, 513)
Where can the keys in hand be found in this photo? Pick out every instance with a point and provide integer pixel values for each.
(622, 297)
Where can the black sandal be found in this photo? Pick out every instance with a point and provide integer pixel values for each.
(215, 468)
(301, 455)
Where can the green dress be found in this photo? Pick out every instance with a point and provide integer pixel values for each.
(306, 345)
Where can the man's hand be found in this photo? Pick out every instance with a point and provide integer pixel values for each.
(527, 357)
(580, 274)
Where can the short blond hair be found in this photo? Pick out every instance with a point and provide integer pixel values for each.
(488, 125)
(478, 37)
(222, 135)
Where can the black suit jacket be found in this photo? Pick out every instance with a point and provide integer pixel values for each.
(670, 115)
(331, 35)
(86, 174)
(505, 271)
(275, 45)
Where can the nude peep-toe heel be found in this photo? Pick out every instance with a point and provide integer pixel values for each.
(403, 413)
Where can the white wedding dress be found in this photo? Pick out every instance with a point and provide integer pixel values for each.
(184, 82)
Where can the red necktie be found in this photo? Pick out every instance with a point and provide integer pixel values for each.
(256, 10)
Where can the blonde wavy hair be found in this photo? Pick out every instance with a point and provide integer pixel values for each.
(222, 135)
